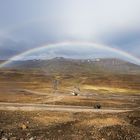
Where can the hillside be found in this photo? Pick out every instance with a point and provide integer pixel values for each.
(62, 65)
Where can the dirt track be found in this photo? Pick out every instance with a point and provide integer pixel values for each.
(41, 107)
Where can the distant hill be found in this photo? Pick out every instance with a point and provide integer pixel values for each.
(63, 65)
(2, 61)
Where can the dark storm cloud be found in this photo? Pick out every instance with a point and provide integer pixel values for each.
(128, 40)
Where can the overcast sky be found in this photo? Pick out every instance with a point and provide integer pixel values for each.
(26, 24)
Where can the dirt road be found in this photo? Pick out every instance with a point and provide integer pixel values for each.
(66, 108)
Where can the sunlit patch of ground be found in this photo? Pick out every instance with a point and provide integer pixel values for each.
(101, 89)
(53, 118)
(102, 122)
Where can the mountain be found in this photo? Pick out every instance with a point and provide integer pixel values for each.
(63, 65)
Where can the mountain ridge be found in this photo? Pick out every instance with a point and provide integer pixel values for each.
(65, 65)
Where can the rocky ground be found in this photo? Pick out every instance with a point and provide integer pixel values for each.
(50, 125)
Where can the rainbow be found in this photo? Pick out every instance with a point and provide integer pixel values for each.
(130, 57)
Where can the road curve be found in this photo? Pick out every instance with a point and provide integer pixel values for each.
(44, 107)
